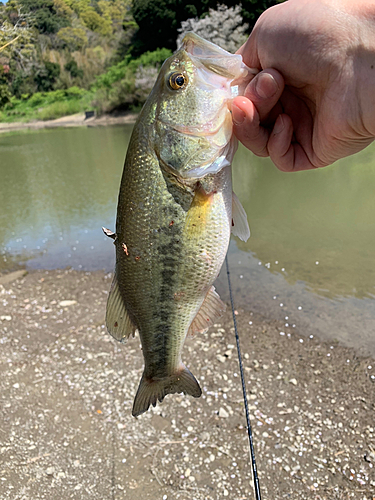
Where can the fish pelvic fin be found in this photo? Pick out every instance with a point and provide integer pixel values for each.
(210, 311)
(117, 319)
(151, 391)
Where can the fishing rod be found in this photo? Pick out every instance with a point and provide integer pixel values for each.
(249, 431)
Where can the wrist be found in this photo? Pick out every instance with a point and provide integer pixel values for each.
(364, 61)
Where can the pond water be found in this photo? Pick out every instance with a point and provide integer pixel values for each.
(310, 259)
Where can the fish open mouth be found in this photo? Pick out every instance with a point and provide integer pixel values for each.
(212, 56)
(216, 59)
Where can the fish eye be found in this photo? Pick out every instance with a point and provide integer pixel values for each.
(177, 81)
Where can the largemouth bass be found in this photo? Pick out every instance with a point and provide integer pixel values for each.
(175, 214)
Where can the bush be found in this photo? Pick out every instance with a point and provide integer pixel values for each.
(72, 68)
(127, 84)
(45, 77)
(4, 95)
(36, 100)
(128, 67)
(22, 84)
(76, 92)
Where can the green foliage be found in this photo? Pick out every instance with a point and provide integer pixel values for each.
(94, 22)
(47, 105)
(72, 67)
(44, 16)
(128, 67)
(60, 108)
(5, 95)
(159, 20)
(46, 76)
(3, 75)
(73, 38)
(22, 84)
(127, 84)
(252, 9)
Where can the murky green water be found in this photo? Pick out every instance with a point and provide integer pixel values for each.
(312, 247)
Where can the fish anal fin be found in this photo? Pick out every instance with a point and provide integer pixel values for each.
(117, 319)
(240, 226)
(210, 311)
(151, 391)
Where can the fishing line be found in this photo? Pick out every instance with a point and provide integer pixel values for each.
(249, 431)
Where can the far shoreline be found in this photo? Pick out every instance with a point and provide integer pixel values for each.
(76, 120)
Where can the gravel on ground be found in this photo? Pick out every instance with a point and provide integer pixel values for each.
(66, 392)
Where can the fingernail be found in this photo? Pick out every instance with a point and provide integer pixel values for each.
(265, 85)
(279, 125)
(238, 115)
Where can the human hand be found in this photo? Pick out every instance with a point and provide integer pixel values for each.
(313, 102)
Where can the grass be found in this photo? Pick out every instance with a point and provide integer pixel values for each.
(59, 109)
(46, 105)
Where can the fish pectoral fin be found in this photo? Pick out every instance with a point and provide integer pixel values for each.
(150, 391)
(210, 311)
(240, 226)
(117, 319)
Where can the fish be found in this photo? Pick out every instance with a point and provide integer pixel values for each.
(176, 211)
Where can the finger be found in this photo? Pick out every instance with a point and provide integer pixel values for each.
(247, 128)
(287, 156)
(264, 91)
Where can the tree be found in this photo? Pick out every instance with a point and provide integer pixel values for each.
(73, 38)
(223, 26)
(159, 20)
(4, 90)
(45, 16)
(17, 39)
(46, 76)
(72, 67)
(252, 9)
(95, 22)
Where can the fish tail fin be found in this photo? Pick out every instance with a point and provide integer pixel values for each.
(150, 391)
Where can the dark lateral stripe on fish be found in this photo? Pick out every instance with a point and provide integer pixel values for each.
(171, 254)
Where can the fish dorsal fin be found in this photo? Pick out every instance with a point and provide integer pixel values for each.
(210, 311)
(240, 226)
(117, 319)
